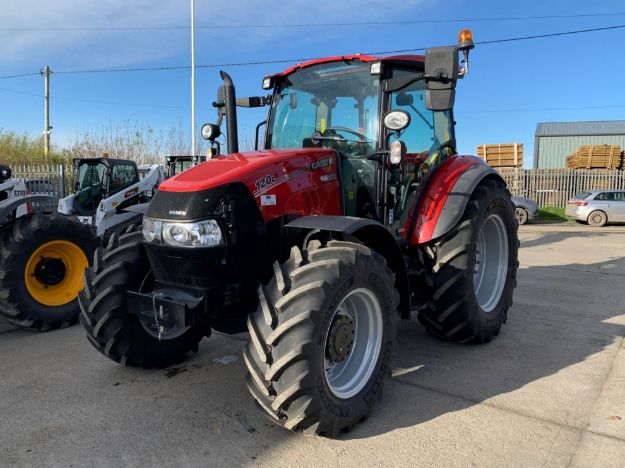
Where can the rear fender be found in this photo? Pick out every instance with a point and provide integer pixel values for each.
(446, 196)
(371, 233)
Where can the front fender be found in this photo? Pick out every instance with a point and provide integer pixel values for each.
(371, 233)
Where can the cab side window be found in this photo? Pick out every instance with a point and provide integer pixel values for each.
(122, 176)
(427, 129)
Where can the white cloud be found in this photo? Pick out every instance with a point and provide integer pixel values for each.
(78, 49)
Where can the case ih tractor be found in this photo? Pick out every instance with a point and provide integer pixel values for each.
(43, 253)
(355, 213)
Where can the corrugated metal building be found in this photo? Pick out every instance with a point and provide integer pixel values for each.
(554, 141)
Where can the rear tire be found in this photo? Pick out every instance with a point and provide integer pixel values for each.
(123, 265)
(597, 218)
(306, 352)
(463, 301)
(42, 258)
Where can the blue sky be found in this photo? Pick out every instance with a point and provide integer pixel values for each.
(507, 92)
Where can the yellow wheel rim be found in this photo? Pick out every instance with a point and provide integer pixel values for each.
(53, 274)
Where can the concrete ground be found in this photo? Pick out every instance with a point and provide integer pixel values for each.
(549, 391)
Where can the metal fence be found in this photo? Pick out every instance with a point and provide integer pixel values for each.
(549, 187)
(56, 180)
(553, 187)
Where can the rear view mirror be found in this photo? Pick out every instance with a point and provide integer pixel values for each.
(441, 74)
(293, 101)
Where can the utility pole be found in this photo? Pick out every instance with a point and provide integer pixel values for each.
(193, 79)
(46, 110)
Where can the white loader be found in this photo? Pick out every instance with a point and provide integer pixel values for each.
(43, 254)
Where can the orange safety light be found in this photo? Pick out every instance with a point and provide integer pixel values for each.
(465, 40)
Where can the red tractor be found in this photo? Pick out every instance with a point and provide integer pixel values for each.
(356, 212)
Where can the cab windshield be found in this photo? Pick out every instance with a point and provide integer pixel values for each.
(89, 187)
(331, 105)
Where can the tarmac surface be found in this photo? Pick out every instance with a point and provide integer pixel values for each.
(549, 391)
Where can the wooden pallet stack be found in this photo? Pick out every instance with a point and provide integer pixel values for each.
(502, 155)
(596, 157)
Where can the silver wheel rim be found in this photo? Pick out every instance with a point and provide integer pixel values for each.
(521, 215)
(360, 310)
(596, 218)
(491, 262)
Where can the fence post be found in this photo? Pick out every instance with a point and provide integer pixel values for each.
(62, 171)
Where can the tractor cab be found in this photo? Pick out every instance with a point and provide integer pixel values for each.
(346, 106)
(389, 120)
(99, 178)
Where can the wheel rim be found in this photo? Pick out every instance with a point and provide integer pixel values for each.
(596, 218)
(53, 274)
(521, 215)
(353, 342)
(491, 262)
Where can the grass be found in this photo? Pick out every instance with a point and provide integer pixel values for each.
(551, 214)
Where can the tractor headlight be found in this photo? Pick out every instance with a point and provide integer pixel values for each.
(200, 234)
(206, 233)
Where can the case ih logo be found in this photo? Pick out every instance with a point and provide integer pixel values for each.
(131, 192)
(322, 163)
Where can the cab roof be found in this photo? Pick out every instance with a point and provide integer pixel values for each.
(105, 161)
(405, 59)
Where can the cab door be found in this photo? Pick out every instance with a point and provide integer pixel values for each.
(423, 137)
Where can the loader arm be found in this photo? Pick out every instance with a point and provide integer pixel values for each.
(111, 212)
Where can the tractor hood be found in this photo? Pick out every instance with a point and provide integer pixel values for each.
(277, 183)
(257, 169)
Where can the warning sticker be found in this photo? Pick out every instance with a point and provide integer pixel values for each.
(267, 200)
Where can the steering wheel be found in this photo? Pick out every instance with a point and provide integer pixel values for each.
(362, 136)
(86, 197)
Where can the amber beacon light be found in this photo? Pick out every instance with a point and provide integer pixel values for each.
(465, 40)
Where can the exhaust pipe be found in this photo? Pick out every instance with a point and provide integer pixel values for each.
(230, 102)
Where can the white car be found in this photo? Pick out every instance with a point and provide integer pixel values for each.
(597, 207)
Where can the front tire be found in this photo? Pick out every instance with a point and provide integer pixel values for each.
(42, 259)
(322, 338)
(470, 272)
(123, 265)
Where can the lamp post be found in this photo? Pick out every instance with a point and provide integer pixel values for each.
(193, 78)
